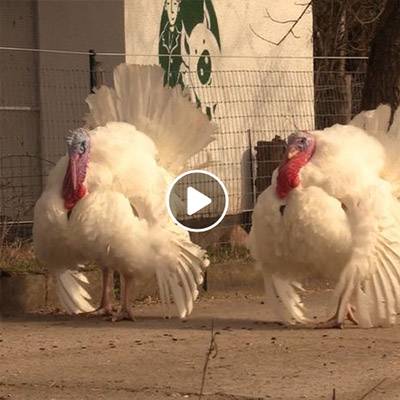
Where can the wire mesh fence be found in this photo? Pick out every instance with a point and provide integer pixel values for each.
(255, 110)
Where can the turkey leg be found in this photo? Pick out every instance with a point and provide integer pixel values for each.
(105, 307)
(125, 311)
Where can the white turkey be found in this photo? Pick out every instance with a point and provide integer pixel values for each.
(332, 210)
(105, 200)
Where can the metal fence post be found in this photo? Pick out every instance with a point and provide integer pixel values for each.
(92, 70)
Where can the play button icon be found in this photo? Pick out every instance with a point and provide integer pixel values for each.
(197, 200)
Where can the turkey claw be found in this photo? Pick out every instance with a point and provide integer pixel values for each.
(123, 315)
(101, 311)
(330, 324)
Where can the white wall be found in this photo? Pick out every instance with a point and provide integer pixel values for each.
(248, 86)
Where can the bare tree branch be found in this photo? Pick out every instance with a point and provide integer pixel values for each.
(370, 21)
(289, 32)
(294, 35)
(356, 48)
(289, 21)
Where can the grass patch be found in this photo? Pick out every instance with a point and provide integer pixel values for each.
(225, 253)
(18, 258)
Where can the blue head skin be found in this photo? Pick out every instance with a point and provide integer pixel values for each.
(78, 141)
(301, 147)
(300, 142)
(78, 151)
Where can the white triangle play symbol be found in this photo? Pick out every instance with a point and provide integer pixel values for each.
(195, 200)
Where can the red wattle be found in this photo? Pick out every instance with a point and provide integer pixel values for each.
(71, 199)
(288, 175)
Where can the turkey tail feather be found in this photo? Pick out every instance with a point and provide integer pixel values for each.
(72, 295)
(372, 275)
(180, 281)
(284, 299)
(178, 129)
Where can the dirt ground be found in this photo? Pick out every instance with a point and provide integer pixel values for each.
(60, 357)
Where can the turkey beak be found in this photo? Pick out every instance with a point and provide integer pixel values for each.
(73, 170)
(291, 152)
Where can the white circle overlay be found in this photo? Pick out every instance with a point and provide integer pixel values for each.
(211, 175)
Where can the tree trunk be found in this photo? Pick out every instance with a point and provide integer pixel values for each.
(383, 73)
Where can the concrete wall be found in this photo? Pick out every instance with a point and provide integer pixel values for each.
(52, 87)
(19, 109)
(78, 26)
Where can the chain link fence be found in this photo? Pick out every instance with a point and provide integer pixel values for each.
(255, 110)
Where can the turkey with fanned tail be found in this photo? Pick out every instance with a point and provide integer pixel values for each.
(105, 200)
(332, 210)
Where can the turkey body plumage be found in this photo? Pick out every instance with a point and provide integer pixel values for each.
(118, 218)
(341, 222)
(309, 213)
(53, 244)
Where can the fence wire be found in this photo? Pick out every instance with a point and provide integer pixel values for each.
(255, 110)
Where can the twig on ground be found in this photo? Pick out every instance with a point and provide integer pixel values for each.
(372, 389)
(211, 353)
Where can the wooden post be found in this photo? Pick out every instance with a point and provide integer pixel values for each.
(92, 70)
(349, 97)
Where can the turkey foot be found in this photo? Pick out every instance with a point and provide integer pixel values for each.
(333, 322)
(103, 310)
(124, 314)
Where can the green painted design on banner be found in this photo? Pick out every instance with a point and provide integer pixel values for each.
(189, 28)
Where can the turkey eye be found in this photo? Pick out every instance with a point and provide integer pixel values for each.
(204, 68)
(302, 143)
(82, 147)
